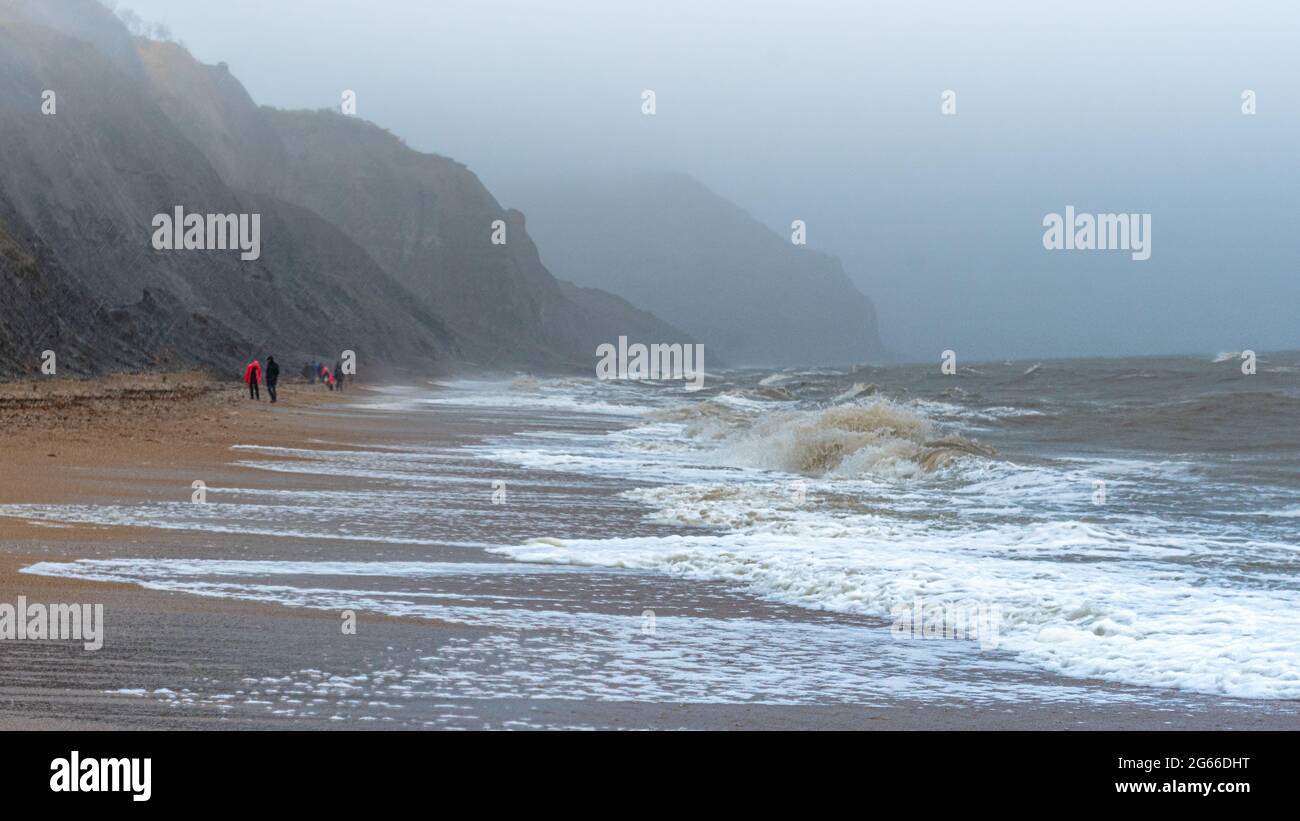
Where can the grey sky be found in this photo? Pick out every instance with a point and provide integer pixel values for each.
(829, 112)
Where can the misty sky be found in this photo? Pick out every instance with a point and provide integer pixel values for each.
(829, 112)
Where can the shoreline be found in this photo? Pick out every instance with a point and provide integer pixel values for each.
(71, 441)
(117, 440)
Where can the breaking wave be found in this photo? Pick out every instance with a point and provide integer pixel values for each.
(881, 438)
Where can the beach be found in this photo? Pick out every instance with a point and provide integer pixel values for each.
(229, 612)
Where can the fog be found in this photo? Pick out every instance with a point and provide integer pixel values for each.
(829, 112)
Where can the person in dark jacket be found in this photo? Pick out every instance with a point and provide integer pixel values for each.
(338, 374)
(253, 376)
(272, 376)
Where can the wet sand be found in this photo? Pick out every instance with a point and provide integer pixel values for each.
(175, 660)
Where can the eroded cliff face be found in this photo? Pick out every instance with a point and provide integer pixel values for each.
(425, 219)
(673, 247)
(365, 244)
(85, 183)
(51, 325)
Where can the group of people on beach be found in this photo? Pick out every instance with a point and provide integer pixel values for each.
(313, 372)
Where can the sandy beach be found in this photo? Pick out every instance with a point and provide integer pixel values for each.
(178, 660)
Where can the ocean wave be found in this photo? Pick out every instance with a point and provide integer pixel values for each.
(858, 389)
(707, 419)
(879, 438)
(966, 413)
(557, 396)
(769, 392)
(1214, 413)
(1128, 623)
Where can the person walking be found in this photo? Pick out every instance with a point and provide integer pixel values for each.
(253, 376)
(272, 376)
(338, 374)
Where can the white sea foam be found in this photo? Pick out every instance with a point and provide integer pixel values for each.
(557, 396)
(1135, 599)
(168, 569)
(1133, 623)
(259, 520)
(538, 651)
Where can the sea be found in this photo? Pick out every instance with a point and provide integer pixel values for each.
(1126, 530)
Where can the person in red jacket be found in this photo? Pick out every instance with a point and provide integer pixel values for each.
(253, 376)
